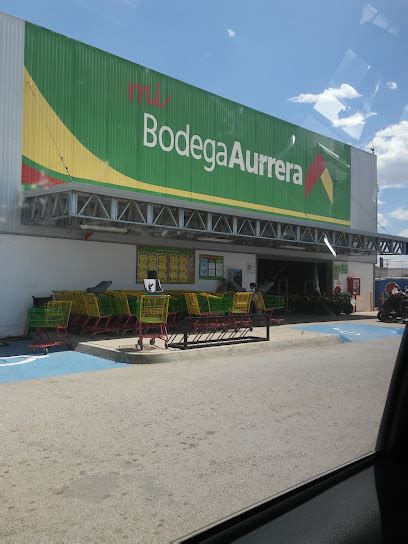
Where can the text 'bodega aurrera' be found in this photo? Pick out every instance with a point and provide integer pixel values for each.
(215, 153)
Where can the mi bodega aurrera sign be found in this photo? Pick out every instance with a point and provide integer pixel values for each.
(214, 154)
(90, 117)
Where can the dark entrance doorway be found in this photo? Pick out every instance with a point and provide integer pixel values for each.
(294, 277)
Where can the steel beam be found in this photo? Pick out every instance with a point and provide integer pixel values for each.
(73, 207)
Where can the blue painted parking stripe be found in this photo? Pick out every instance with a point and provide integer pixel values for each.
(34, 367)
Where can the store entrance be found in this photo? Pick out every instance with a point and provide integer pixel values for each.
(294, 277)
(305, 285)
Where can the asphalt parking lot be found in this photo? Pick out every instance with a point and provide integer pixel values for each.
(102, 452)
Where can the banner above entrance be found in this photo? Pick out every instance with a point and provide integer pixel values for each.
(93, 118)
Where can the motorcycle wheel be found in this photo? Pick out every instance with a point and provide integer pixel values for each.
(348, 309)
(381, 316)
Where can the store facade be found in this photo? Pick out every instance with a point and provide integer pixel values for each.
(110, 170)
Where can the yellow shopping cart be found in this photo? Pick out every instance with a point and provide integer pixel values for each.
(152, 318)
(241, 303)
(261, 307)
(193, 305)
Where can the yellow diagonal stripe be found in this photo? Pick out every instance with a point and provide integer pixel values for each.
(327, 183)
(48, 142)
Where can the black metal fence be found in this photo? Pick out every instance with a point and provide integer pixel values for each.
(196, 332)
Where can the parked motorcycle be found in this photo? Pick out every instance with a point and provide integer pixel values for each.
(321, 304)
(340, 303)
(395, 308)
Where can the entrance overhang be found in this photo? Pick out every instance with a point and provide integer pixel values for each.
(100, 208)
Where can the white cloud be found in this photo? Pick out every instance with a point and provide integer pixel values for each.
(391, 147)
(391, 186)
(392, 85)
(400, 213)
(231, 33)
(380, 202)
(356, 120)
(345, 91)
(382, 220)
(404, 233)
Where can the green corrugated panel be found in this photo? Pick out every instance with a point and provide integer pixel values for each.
(177, 140)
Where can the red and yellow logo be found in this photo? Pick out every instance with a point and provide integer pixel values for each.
(318, 170)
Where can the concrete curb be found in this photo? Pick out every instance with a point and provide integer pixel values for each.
(155, 357)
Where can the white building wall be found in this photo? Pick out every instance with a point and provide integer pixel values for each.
(11, 101)
(364, 271)
(363, 207)
(33, 266)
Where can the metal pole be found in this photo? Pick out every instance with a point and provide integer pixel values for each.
(316, 278)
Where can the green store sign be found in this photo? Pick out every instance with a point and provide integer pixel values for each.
(91, 117)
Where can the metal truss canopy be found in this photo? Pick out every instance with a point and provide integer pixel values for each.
(73, 208)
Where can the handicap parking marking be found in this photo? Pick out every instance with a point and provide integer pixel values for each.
(20, 360)
(35, 367)
(341, 331)
(354, 332)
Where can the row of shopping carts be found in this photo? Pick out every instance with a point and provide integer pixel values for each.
(125, 311)
(201, 304)
(88, 313)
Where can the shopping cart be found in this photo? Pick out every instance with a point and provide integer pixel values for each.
(49, 324)
(177, 307)
(194, 308)
(241, 303)
(99, 311)
(121, 308)
(240, 311)
(78, 308)
(223, 304)
(152, 318)
(211, 303)
(276, 303)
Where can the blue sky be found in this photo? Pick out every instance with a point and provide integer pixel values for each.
(338, 67)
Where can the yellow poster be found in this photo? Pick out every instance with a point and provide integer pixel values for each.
(171, 264)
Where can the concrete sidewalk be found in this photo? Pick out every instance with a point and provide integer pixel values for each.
(125, 349)
(283, 337)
